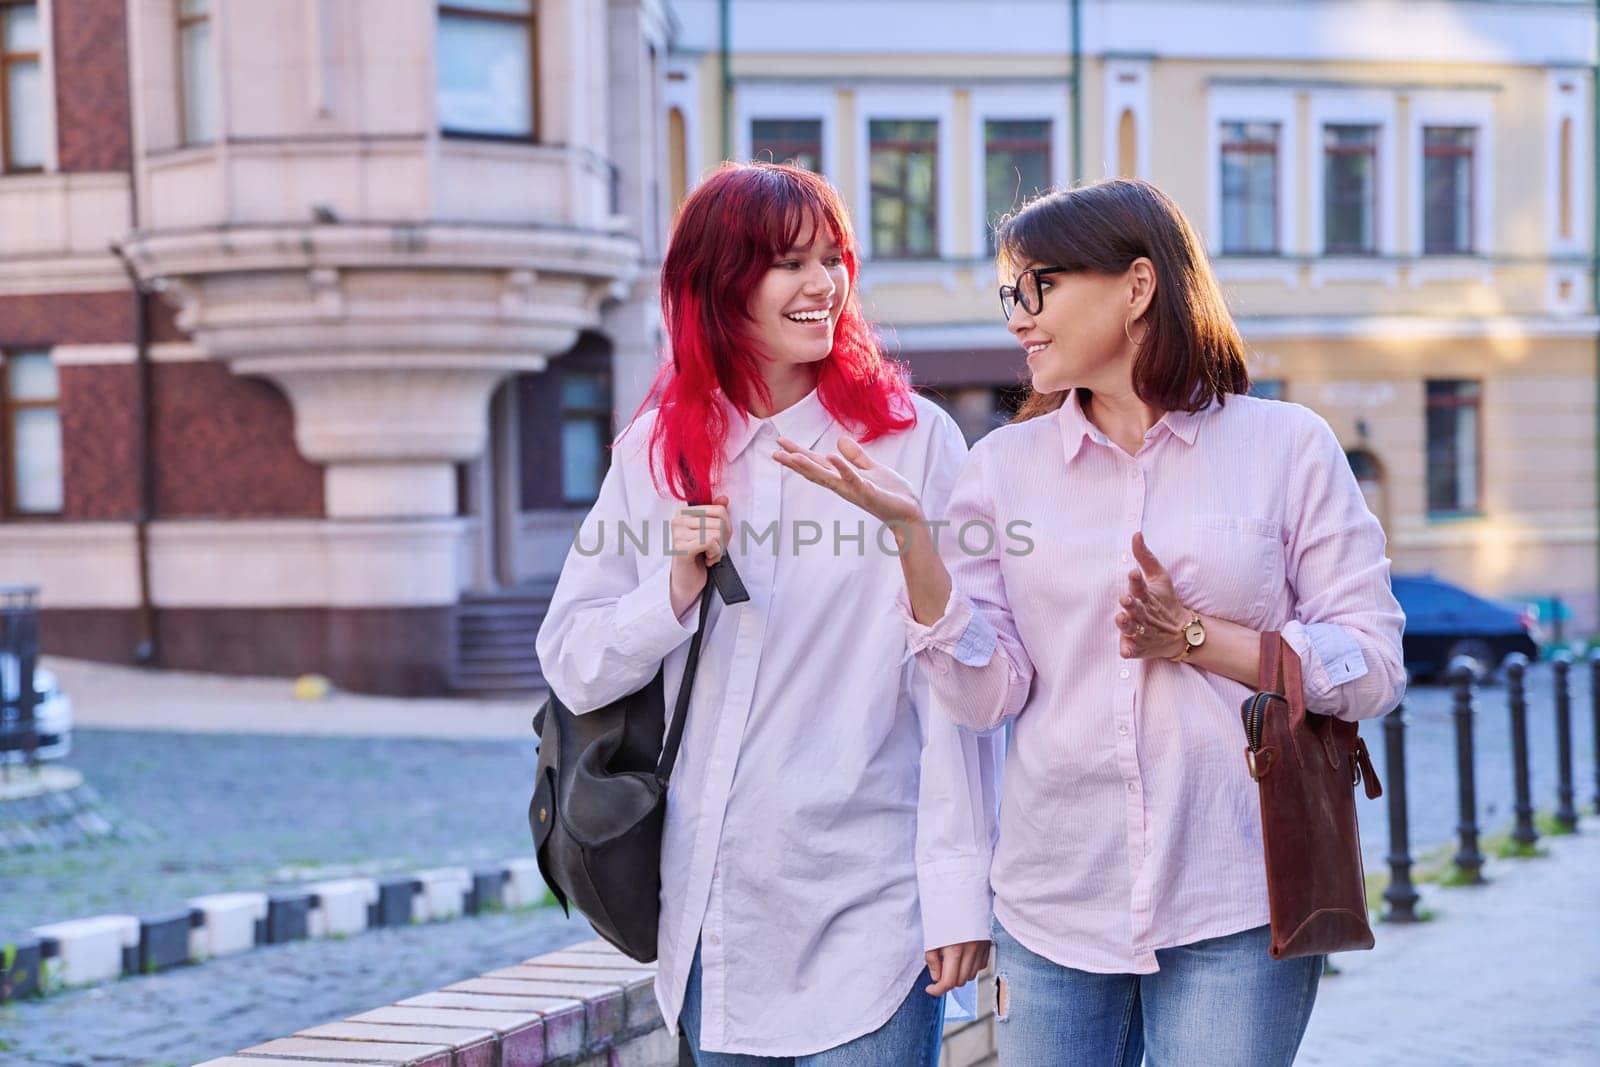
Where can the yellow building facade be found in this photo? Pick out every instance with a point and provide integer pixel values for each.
(1397, 198)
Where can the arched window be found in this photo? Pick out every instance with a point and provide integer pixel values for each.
(1127, 146)
(677, 157)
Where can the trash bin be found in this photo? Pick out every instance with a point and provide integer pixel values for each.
(19, 656)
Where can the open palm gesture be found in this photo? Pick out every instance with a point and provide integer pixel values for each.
(878, 490)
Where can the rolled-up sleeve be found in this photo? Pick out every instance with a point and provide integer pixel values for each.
(1347, 624)
(958, 798)
(607, 631)
(977, 667)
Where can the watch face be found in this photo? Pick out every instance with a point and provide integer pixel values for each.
(1195, 634)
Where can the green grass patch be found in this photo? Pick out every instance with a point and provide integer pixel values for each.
(1549, 827)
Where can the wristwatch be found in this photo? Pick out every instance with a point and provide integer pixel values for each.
(1194, 635)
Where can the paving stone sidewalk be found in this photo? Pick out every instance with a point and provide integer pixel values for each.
(1507, 973)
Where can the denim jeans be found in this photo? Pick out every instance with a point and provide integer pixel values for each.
(909, 1039)
(1222, 1001)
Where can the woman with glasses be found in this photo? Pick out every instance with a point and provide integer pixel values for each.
(825, 860)
(1174, 519)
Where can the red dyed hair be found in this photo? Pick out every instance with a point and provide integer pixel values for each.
(727, 236)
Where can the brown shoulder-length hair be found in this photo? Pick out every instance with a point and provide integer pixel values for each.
(1191, 353)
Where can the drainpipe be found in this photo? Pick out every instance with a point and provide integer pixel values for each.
(725, 59)
(145, 650)
(1077, 90)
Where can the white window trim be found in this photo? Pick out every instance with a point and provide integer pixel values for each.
(1239, 104)
(777, 101)
(1356, 107)
(1572, 106)
(1127, 96)
(1000, 103)
(906, 103)
(1473, 108)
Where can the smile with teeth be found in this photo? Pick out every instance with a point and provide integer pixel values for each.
(820, 315)
(1037, 346)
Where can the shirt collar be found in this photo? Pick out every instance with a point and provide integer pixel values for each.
(803, 422)
(1076, 427)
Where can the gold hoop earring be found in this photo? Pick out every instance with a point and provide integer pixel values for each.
(1127, 329)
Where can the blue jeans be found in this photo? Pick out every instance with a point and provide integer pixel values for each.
(909, 1039)
(1222, 1001)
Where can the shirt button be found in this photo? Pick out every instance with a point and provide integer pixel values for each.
(1124, 557)
(1131, 788)
(1122, 730)
(1124, 672)
(715, 940)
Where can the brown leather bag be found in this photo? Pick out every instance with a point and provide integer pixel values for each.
(1307, 767)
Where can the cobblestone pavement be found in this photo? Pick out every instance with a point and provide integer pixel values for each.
(212, 812)
(1507, 974)
(192, 1014)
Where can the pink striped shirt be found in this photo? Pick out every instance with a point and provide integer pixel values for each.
(1128, 821)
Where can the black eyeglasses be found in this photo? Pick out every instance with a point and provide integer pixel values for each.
(1027, 291)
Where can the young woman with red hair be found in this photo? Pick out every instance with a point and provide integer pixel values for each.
(825, 862)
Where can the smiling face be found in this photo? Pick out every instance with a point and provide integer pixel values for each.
(1077, 338)
(798, 301)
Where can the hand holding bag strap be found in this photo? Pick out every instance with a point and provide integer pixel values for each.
(669, 747)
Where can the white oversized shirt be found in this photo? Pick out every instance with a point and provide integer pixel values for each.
(824, 824)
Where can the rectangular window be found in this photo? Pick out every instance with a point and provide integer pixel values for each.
(1267, 388)
(197, 71)
(1350, 189)
(797, 141)
(1249, 188)
(1016, 164)
(30, 407)
(904, 174)
(21, 88)
(1447, 189)
(585, 434)
(1454, 417)
(486, 68)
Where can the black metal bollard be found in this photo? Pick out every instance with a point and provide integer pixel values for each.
(1594, 708)
(1566, 815)
(1524, 832)
(1468, 859)
(1400, 895)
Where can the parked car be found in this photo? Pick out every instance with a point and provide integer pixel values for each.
(1444, 621)
(52, 718)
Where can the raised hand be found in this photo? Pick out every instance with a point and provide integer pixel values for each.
(1152, 617)
(877, 489)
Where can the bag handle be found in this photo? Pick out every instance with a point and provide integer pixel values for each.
(674, 738)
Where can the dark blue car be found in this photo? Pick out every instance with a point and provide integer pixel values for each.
(1444, 621)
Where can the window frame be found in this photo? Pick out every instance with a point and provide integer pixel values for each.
(819, 144)
(597, 413)
(1356, 107)
(1249, 104)
(46, 91)
(1453, 402)
(180, 23)
(8, 436)
(455, 10)
(903, 103)
(907, 147)
(1048, 144)
(1251, 148)
(1451, 152)
(1374, 200)
(1460, 108)
(1016, 102)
